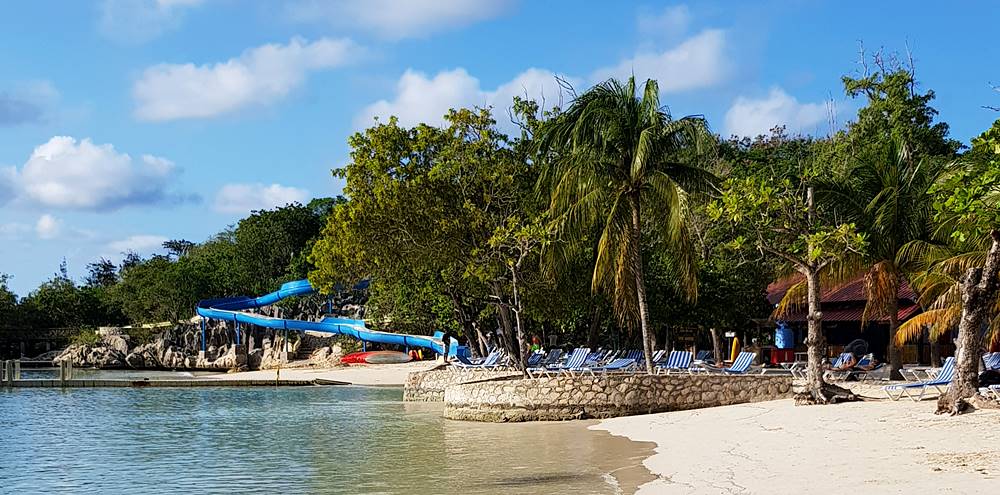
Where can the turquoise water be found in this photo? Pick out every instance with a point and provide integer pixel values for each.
(290, 440)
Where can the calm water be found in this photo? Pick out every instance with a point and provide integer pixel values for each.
(291, 440)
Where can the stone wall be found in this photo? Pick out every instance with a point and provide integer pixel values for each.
(428, 386)
(581, 396)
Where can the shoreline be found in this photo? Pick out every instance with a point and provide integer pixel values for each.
(776, 447)
(369, 375)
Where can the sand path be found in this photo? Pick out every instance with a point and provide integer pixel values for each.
(366, 374)
(776, 448)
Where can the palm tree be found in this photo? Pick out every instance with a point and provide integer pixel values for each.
(887, 194)
(618, 161)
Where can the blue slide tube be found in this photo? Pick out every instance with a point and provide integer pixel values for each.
(232, 309)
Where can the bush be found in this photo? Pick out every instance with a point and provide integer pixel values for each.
(85, 336)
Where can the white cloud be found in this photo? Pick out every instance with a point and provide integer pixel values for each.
(698, 62)
(137, 21)
(65, 173)
(695, 63)
(260, 75)
(47, 227)
(420, 98)
(670, 22)
(244, 198)
(753, 117)
(142, 244)
(398, 19)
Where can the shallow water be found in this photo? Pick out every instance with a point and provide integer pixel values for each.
(292, 440)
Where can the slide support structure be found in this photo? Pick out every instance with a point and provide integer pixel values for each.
(239, 310)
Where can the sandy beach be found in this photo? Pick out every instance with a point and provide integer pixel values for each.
(362, 374)
(776, 447)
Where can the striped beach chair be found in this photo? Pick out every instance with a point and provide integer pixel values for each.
(575, 361)
(991, 361)
(741, 365)
(942, 379)
(679, 361)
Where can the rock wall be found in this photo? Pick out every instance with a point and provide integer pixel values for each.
(179, 348)
(428, 386)
(581, 396)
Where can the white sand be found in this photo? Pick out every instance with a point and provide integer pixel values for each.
(776, 448)
(362, 374)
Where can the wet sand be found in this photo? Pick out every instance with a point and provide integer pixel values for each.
(778, 448)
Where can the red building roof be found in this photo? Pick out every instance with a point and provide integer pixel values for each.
(845, 302)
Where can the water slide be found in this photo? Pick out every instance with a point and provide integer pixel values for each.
(233, 309)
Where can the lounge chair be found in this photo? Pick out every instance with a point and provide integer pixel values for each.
(842, 359)
(551, 358)
(635, 355)
(659, 355)
(535, 359)
(677, 361)
(993, 390)
(860, 371)
(739, 367)
(703, 356)
(575, 361)
(991, 361)
(491, 361)
(942, 379)
(620, 364)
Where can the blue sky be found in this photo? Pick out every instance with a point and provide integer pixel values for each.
(127, 122)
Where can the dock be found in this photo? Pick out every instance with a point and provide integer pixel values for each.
(87, 383)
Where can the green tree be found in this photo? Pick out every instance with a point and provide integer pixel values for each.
(886, 192)
(430, 208)
(895, 111)
(963, 285)
(8, 303)
(779, 218)
(272, 245)
(618, 159)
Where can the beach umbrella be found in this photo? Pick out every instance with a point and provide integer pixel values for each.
(736, 349)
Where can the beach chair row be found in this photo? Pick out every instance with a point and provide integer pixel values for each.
(583, 360)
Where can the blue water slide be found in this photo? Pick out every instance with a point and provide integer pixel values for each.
(233, 309)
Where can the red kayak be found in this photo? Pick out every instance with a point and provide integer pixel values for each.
(376, 357)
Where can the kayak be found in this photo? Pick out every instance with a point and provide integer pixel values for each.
(376, 357)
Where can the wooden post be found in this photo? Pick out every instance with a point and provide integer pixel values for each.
(17, 371)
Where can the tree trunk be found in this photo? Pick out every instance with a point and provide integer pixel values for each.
(522, 340)
(814, 337)
(716, 346)
(895, 353)
(640, 283)
(508, 329)
(468, 329)
(595, 325)
(816, 390)
(979, 292)
(935, 349)
(483, 350)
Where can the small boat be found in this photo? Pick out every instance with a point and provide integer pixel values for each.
(376, 357)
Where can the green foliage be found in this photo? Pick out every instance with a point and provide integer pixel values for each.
(619, 163)
(967, 202)
(427, 211)
(271, 246)
(895, 111)
(776, 217)
(85, 336)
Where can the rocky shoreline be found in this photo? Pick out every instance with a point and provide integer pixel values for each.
(179, 348)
